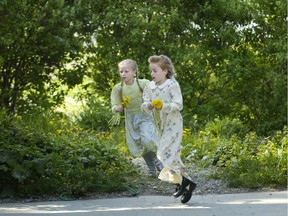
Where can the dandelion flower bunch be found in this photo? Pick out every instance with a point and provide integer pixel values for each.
(157, 103)
(126, 101)
(116, 118)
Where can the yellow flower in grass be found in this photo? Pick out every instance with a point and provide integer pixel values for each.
(126, 101)
(157, 103)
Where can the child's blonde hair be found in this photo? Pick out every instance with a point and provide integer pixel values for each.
(129, 63)
(132, 65)
(164, 62)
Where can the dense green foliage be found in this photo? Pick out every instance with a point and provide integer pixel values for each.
(243, 160)
(49, 155)
(95, 115)
(230, 58)
(37, 41)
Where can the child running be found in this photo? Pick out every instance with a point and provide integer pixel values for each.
(163, 98)
(141, 135)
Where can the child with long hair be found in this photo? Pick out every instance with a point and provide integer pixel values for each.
(141, 135)
(163, 98)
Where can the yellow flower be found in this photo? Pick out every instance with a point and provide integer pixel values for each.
(126, 101)
(157, 103)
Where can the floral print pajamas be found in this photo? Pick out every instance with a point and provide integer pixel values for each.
(169, 124)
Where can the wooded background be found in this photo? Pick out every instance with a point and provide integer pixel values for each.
(230, 55)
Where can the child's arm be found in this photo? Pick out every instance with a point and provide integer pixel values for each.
(147, 107)
(176, 99)
(116, 99)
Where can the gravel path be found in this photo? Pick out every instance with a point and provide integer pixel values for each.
(202, 177)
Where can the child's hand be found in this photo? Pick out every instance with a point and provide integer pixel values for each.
(157, 108)
(119, 108)
(150, 106)
(157, 103)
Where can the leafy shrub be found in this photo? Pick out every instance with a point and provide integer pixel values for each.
(226, 127)
(203, 144)
(250, 161)
(61, 158)
(264, 165)
(95, 115)
(22, 153)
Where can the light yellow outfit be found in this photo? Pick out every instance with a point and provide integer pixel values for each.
(169, 124)
(141, 136)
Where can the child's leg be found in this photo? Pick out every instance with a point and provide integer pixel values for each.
(149, 161)
(152, 161)
(158, 164)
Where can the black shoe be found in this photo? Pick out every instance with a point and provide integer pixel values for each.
(188, 193)
(182, 188)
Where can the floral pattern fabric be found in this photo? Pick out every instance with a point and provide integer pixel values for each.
(169, 124)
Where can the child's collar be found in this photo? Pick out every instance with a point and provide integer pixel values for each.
(162, 86)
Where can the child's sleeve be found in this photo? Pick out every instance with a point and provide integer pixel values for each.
(146, 99)
(115, 97)
(176, 99)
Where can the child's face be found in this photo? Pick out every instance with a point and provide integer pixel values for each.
(127, 74)
(158, 75)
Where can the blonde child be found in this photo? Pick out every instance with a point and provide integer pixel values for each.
(163, 98)
(141, 134)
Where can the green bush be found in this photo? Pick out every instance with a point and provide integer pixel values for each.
(55, 157)
(204, 143)
(264, 165)
(226, 127)
(243, 161)
(95, 115)
(48, 154)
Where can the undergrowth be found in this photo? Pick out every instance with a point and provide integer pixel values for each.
(48, 154)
